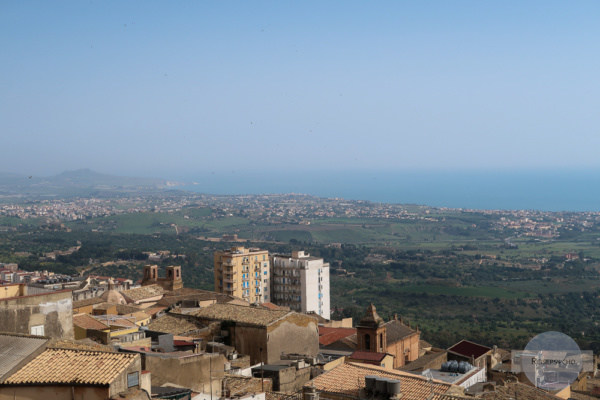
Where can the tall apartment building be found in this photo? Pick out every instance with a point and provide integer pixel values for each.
(301, 282)
(243, 273)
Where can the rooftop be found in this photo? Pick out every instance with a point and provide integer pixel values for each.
(15, 348)
(466, 348)
(176, 325)
(86, 321)
(348, 379)
(87, 302)
(368, 356)
(396, 331)
(61, 366)
(328, 335)
(144, 292)
(242, 314)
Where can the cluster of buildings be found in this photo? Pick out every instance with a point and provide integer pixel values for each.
(297, 281)
(270, 339)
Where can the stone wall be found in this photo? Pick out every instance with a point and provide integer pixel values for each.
(53, 311)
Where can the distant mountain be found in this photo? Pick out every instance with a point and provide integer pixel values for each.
(79, 182)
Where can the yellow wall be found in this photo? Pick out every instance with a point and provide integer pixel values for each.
(11, 291)
(230, 268)
(123, 332)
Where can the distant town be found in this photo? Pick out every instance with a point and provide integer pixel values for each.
(194, 296)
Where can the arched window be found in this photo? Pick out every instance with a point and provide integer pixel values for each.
(367, 342)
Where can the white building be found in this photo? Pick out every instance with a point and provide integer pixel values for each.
(301, 282)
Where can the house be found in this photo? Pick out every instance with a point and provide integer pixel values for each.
(201, 372)
(36, 311)
(261, 333)
(347, 381)
(66, 373)
(476, 354)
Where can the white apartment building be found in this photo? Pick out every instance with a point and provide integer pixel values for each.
(301, 282)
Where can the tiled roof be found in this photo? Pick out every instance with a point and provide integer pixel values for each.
(468, 349)
(348, 379)
(272, 306)
(138, 316)
(517, 391)
(87, 302)
(330, 335)
(420, 363)
(127, 309)
(86, 321)
(175, 296)
(104, 306)
(175, 325)
(15, 348)
(60, 366)
(368, 356)
(154, 310)
(144, 292)
(81, 344)
(246, 315)
(396, 330)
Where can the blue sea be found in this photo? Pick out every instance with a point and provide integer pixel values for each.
(559, 190)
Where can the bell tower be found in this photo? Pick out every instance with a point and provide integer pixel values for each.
(370, 331)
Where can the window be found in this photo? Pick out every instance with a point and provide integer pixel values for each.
(133, 379)
(37, 330)
(367, 342)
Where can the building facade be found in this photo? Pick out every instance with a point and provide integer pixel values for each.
(301, 282)
(243, 273)
(392, 337)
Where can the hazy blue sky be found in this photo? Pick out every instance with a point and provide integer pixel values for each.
(159, 87)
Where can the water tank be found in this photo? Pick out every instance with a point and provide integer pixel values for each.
(464, 367)
(370, 383)
(393, 387)
(446, 366)
(453, 366)
(381, 385)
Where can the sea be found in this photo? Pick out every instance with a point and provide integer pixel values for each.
(544, 190)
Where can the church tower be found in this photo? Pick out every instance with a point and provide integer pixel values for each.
(370, 331)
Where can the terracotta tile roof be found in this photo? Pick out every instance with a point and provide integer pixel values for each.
(420, 363)
(246, 315)
(348, 379)
(272, 306)
(144, 292)
(396, 331)
(517, 391)
(330, 335)
(468, 349)
(175, 296)
(60, 366)
(81, 344)
(175, 325)
(138, 316)
(86, 321)
(367, 356)
(87, 302)
(154, 310)
(127, 309)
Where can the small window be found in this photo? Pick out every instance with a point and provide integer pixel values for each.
(133, 379)
(37, 330)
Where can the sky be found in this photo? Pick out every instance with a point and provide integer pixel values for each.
(156, 88)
